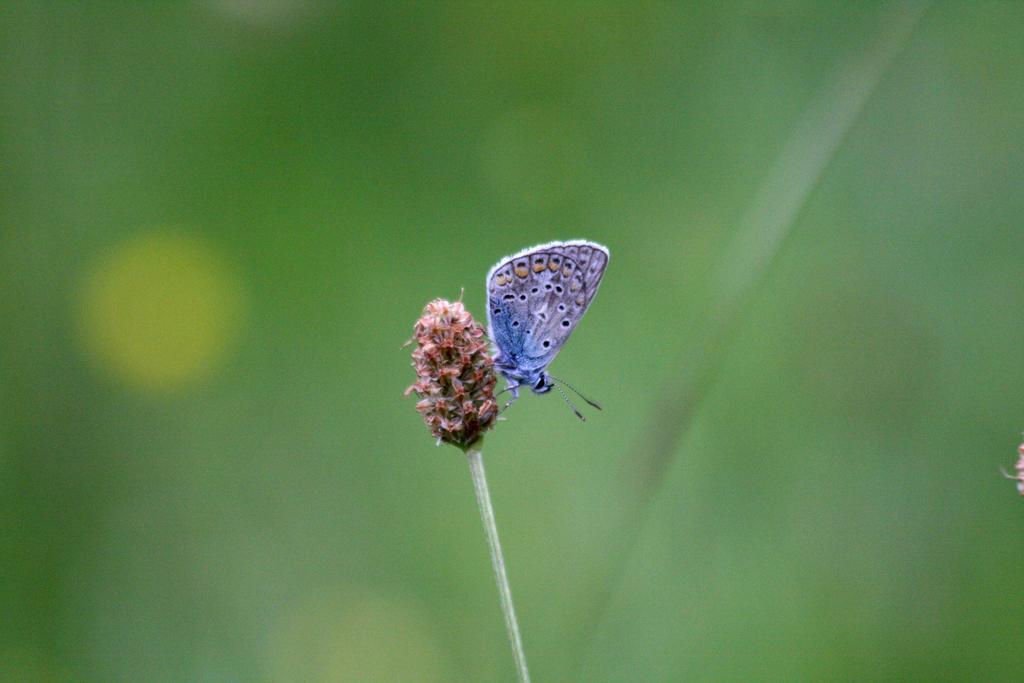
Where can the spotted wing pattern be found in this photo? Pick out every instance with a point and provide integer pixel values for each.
(537, 297)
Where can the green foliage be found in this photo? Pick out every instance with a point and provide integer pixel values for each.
(207, 468)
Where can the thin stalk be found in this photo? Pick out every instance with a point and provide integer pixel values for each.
(772, 215)
(483, 499)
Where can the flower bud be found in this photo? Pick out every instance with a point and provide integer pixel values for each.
(1019, 475)
(455, 376)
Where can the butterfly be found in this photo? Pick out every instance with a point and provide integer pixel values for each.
(535, 299)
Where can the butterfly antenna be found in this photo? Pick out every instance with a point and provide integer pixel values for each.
(574, 408)
(560, 381)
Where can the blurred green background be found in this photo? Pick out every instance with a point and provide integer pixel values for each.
(220, 219)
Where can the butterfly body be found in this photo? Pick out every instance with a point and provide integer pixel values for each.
(535, 298)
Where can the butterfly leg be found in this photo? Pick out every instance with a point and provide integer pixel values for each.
(514, 389)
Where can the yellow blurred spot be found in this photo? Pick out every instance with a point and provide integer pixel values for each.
(159, 310)
(521, 271)
(539, 267)
(345, 635)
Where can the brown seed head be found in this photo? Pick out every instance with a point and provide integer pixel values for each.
(1018, 476)
(454, 374)
(1020, 469)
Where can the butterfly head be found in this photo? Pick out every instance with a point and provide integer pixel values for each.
(518, 376)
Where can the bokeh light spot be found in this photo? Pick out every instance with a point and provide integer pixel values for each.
(534, 156)
(159, 310)
(350, 635)
(264, 13)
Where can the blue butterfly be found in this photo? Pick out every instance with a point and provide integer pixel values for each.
(534, 300)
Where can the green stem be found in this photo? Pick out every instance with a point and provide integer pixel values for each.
(483, 499)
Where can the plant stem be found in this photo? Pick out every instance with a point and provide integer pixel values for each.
(772, 215)
(483, 499)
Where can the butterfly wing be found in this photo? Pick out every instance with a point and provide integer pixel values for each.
(537, 297)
